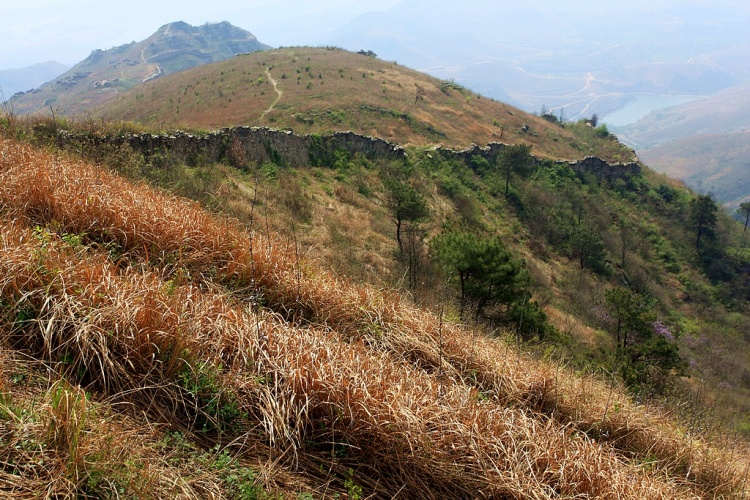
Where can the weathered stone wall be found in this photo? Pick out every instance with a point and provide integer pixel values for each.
(264, 144)
(588, 165)
(604, 170)
(259, 144)
(489, 152)
(286, 148)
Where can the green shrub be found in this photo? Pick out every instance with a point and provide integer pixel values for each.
(601, 131)
(217, 406)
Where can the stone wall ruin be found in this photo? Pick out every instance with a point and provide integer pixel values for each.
(259, 145)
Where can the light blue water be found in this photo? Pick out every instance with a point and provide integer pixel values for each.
(642, 105)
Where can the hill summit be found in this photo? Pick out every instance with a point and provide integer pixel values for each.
(103, 74)
(324, 89)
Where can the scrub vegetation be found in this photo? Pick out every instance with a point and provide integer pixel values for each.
(425, 328)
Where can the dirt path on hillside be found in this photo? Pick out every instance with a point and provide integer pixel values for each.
(157, 73)
(279, 93)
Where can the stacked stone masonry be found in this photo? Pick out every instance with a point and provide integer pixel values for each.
(288, 149)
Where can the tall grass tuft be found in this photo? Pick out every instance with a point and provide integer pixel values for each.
(149, 301)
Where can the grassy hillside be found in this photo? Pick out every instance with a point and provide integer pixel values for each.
(300, 331)
(580, 237)
(315, 90)
(152, 349)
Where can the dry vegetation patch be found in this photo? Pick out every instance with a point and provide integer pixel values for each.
(228, 336)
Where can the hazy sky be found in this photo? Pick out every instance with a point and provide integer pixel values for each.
(34, 31)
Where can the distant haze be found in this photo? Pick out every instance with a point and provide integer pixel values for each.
(40, 30)
(572, 57)
(16, 80)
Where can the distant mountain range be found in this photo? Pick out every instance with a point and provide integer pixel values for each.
(574, 61)
(21, 79)
(105, 73)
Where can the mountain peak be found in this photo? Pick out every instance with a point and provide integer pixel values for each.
(174, 47)
(175, 26)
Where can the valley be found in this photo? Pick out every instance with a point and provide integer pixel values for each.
(703, 142)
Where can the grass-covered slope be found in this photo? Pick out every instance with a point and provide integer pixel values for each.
(152, 349)
(315, 90)
(579, 238)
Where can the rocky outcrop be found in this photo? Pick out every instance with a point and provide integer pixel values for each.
(259, 145)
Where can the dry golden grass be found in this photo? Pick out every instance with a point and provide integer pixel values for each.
(131, 292)
(393, 417)
(60, 443)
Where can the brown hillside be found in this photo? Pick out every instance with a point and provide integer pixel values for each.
(315, 90)
(133, 302)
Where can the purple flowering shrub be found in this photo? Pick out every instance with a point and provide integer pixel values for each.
(662, 330)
